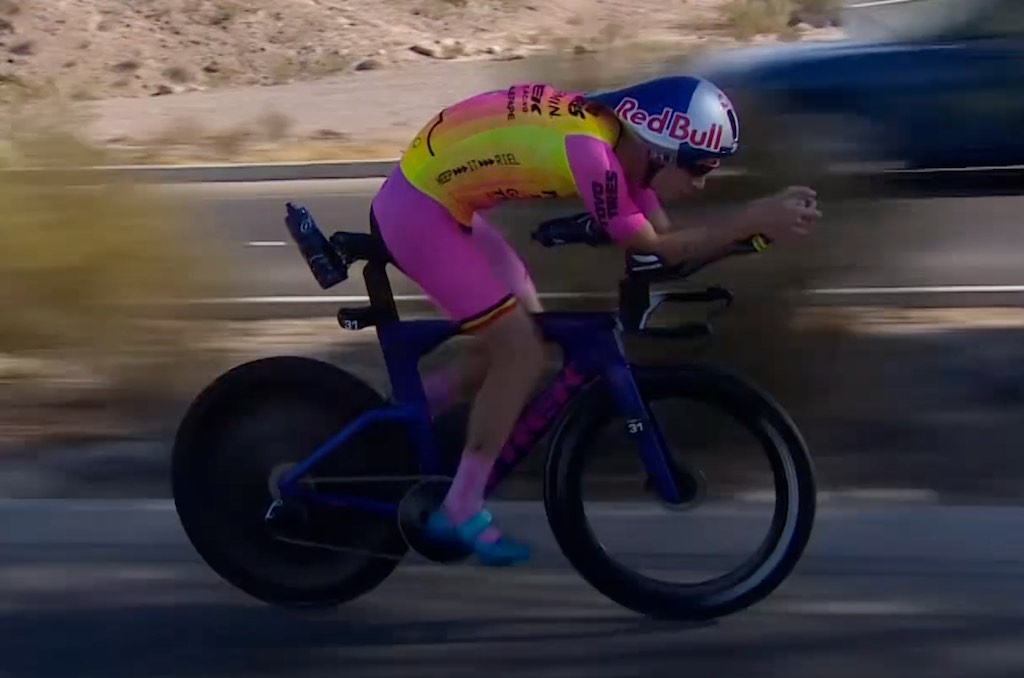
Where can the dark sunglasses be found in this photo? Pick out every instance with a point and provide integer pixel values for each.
(699, 168)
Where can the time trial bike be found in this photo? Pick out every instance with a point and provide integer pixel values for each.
(303, 486)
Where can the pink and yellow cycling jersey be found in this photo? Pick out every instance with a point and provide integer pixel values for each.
(530, 140)
(514, 143)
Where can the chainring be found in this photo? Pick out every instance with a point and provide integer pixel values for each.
(417, 504)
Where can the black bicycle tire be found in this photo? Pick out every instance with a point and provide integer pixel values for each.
(564, 505)
(265, 373)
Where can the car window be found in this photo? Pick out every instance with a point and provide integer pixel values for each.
(993, 19)
(918, 20)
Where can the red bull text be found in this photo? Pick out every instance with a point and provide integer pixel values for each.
(672, 123)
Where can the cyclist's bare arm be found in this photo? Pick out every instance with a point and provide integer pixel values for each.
(648, 202)
(692, 242)
(659, 220)
(787, 214)
(602, 186)
(627, 216)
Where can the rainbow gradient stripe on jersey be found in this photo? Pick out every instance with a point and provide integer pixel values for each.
(503, 144)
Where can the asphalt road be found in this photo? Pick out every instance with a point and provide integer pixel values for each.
(958, 251)
(888, 590)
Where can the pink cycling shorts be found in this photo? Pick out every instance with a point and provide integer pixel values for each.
(473, 274)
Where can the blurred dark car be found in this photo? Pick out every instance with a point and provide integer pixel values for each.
(944, 88)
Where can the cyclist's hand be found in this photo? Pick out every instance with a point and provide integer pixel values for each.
(786, 215)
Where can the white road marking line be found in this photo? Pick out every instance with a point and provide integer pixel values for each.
(827, 291)
(922, 289)
(267, 243)
(347, 299)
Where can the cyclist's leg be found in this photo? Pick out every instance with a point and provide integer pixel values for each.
(458, 380)
(507, 263)
(442, 258)
(515, 361)
(454, 382)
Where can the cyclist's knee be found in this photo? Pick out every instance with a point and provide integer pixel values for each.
(528, 298)
(514, 339)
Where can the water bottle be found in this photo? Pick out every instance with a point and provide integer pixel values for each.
(323, 261)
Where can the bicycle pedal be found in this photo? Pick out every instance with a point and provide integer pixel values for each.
(418, 503)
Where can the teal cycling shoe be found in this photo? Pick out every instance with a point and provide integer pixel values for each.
(499, 553)
(440, 529)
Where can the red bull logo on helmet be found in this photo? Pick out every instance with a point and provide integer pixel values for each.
(673, 124)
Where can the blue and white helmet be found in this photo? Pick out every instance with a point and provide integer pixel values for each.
(687, 121)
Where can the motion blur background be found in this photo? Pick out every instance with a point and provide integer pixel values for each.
(893, 334)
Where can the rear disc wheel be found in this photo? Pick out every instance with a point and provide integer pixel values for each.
(240, 434)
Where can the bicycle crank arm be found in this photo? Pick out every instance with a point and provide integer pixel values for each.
(288, 514)
(340, 549)
(284, 516)
(372, 479)
(278, 473)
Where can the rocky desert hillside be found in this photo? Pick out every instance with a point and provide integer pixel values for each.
(97, 49)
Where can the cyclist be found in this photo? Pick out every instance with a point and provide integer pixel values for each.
(623, 152)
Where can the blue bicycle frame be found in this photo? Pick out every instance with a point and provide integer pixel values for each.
(592, 350)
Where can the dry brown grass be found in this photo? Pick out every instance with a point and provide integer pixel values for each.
(89, 263)
(747, 18)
